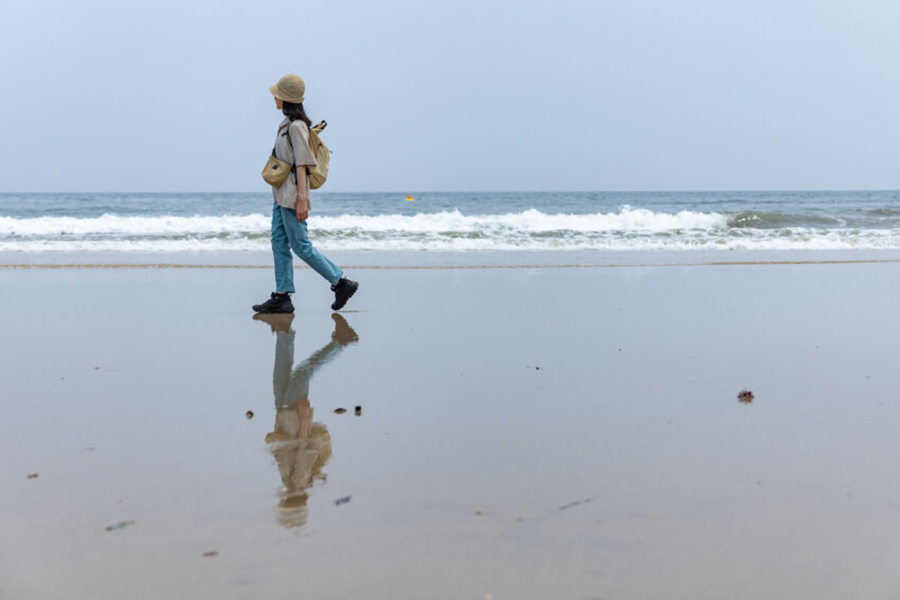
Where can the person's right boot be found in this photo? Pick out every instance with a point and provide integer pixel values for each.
(277, 303)
(343, 289)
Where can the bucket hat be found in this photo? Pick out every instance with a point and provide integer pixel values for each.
(289, 88)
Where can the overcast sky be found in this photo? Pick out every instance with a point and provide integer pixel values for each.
(172, 95)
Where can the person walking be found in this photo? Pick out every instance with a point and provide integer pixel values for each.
(292, 205)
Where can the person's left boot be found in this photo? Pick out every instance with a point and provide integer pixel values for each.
(343, 290)
(277, 303)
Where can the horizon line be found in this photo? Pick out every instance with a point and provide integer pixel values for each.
(672, 191)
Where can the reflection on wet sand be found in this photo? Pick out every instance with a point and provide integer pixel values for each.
(300, 447)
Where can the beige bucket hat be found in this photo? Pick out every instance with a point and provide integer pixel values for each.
(289, 88)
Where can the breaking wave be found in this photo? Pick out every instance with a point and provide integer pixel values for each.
(631, 229)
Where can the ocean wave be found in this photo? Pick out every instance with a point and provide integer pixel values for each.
(753, 219)
(109, 224)
(532, 220)
(628, 229)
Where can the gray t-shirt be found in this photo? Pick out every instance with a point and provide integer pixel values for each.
(292, 146)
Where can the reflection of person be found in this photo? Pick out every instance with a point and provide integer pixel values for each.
(292, 205)
(300, 447)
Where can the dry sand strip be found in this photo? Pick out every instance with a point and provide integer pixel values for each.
(732, 263)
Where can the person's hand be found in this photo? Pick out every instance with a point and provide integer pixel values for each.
(302, 209)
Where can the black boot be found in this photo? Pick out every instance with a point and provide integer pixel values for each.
(343, 290)
(277, 303)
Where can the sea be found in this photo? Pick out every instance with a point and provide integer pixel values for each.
(594, 226)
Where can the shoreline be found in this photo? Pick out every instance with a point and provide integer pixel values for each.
(735, 263)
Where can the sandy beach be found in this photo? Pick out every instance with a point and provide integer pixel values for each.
(523, 433)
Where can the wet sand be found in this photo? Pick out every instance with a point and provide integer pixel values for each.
(524, 433)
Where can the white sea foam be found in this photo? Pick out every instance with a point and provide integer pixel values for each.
(531, 230)
(133, 225)
(529, 221)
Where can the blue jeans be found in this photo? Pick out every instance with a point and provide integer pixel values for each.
(289, 233)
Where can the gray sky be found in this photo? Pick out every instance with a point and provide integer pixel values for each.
(172, 95)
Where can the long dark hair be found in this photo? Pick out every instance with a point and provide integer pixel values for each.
(294, 112)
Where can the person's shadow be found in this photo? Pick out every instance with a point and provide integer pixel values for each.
(300, 447)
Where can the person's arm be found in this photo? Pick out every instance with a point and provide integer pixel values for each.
(302, 207)
(303, 158)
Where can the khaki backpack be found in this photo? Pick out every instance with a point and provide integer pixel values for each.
(319, 173)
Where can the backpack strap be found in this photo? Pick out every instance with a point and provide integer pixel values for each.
(287, 135)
